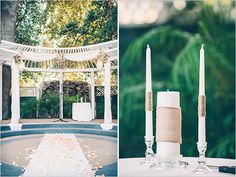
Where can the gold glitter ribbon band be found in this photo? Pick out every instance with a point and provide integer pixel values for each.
(148, 103)
(168, 124)
(201, 106)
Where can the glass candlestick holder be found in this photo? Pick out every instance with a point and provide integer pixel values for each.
(168, 164)
(202, 167)
(149, 154)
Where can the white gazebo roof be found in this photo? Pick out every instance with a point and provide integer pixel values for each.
(54, 59)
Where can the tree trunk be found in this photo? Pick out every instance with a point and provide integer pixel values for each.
(8, 29)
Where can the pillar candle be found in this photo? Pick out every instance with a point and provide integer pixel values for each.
(168, 150)
(149, 126)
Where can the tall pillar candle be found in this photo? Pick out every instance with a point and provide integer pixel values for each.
(201, 100)
(168, 133)
(148, 105)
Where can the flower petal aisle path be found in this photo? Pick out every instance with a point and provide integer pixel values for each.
(58, 155)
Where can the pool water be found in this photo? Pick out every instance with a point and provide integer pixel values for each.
(98, 146)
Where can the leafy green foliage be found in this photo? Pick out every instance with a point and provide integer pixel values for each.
(101, 20)
(28, 107)
(30, 22)
(175, 65)
(49, 105)
(99, 24)
(66, 23)
(67, 104)
(100, 107)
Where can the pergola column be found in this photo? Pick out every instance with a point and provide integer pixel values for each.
(61, 96)
(15, 94)
(1, 91)
(107, 125)
(92, 94)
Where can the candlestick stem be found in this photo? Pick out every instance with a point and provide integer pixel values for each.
(202, 167)
(149, 154)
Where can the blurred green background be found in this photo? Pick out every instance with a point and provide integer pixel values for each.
(175, 31)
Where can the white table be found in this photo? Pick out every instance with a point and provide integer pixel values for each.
(131, 167)
(81, 111)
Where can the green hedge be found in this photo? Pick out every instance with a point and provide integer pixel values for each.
(48, 106)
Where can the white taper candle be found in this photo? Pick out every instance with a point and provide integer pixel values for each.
(202, 72)
(148, 70)
(202, 120)
(149, 126)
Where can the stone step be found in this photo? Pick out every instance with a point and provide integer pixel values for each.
(10, 133)
(32, 126)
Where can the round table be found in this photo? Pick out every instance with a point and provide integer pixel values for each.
(132, 167)
(81, 111)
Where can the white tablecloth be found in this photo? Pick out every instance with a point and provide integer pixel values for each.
(132, 167)
(81, 111)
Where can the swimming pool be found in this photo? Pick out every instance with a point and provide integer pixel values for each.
(17, 145)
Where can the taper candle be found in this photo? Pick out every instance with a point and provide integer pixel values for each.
(202, 72)
(148, 109)
(201, 100)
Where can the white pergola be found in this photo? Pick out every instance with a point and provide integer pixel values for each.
(88, 59)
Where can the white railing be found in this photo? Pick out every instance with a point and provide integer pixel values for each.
(28, 92)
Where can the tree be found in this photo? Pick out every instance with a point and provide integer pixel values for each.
(63, 19)
(66, 23)
(8, 29)
(30, 22)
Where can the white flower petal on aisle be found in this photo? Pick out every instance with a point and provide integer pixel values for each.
(59, 155)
